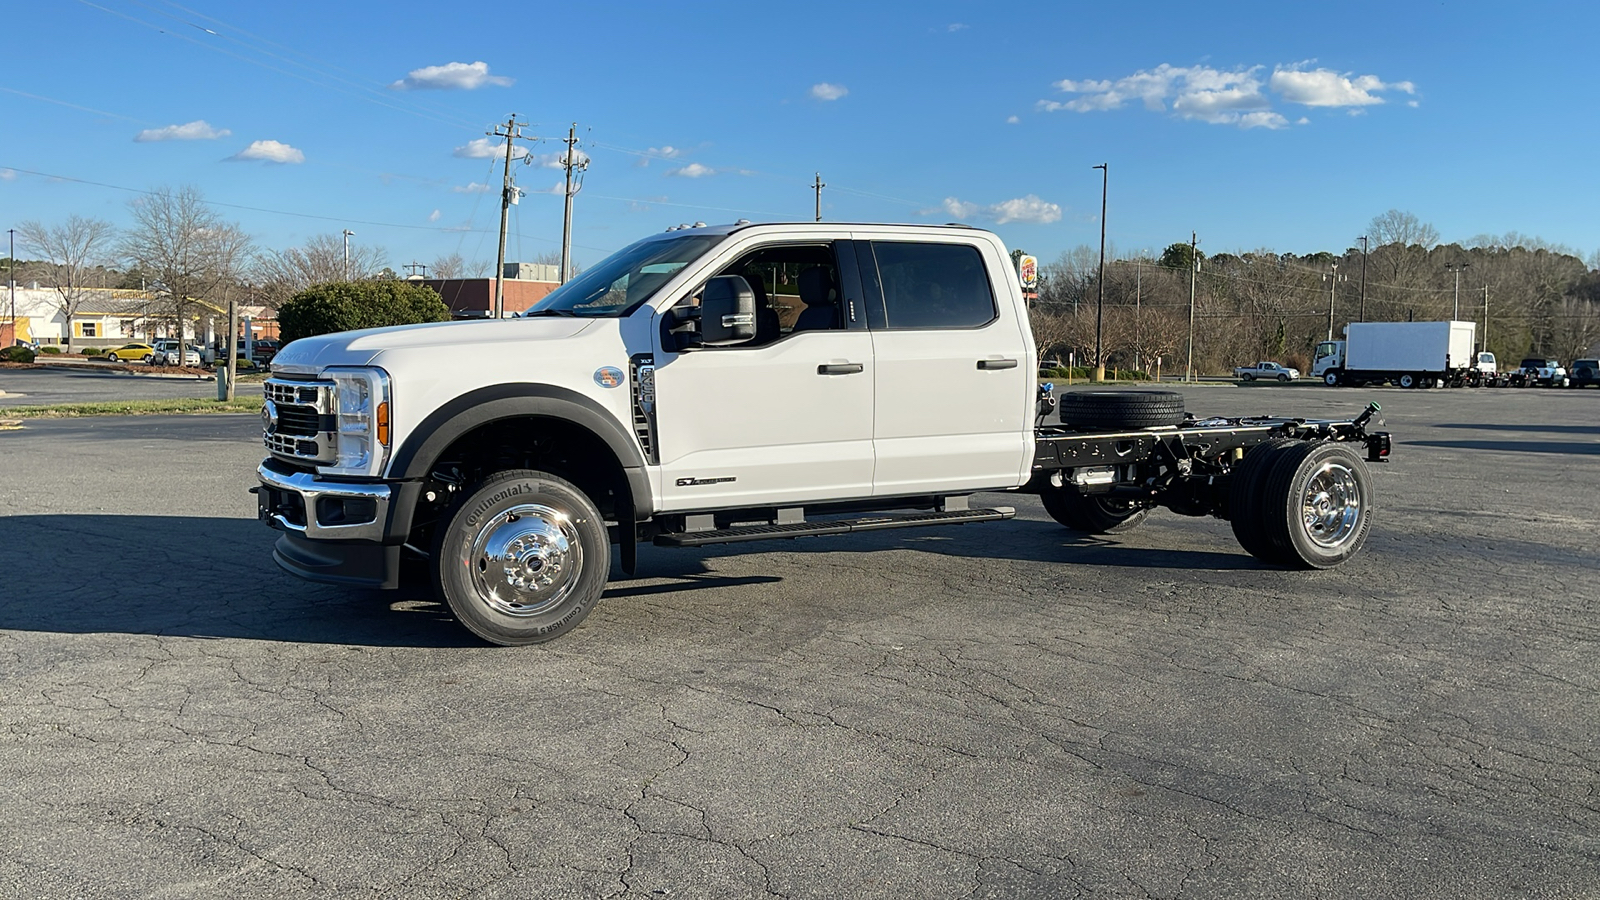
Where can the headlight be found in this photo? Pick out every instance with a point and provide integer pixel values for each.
(361, 410)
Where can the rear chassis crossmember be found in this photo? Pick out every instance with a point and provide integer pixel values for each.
(1185, 468)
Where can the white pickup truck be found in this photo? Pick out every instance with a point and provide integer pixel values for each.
(747, 382)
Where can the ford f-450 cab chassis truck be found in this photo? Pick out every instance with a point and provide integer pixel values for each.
(747, 382)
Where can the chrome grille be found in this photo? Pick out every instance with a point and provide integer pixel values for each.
(302, 408)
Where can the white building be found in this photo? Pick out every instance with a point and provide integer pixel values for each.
(105, 317)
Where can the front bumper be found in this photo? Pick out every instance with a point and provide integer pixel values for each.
(298, 502)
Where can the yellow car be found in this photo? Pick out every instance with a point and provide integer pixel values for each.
(131, 352)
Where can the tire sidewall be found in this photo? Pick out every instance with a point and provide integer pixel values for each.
(496, 494)
(1286, 487)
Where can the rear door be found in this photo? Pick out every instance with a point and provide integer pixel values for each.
(955, 366)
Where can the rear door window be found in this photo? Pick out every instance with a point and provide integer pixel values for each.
(932, 286)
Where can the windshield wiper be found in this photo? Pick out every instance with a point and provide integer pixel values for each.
(550, 312)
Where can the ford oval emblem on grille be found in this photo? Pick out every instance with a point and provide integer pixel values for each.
(608, 376)
(269, 417)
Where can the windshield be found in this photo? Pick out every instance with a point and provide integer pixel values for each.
(624, 279)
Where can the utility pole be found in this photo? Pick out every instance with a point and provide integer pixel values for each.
(570, 162)
(1100, 299)
(1362, 317)
(508, 190)
(1486, 315)
(1333, 285)
(12, 281)
(1194, 270)
(817, 186)
(1138, 312)
(347, 234)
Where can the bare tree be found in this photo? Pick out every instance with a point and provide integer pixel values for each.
(1403, 228)
(284, 273)
(189, 250)
(452, 266)
(72, 253)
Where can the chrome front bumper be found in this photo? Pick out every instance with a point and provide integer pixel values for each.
(321, 510)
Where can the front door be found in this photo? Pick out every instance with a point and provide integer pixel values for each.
(784, 419)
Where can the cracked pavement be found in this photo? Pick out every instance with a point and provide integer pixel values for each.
(988, 711)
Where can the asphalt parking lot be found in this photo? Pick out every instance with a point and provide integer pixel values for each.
(1001, 710)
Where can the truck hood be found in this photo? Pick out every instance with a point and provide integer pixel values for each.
(310, 355)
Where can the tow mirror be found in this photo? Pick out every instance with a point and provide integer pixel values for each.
(726, 315)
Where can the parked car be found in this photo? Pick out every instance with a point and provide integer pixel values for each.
(1585, 372)
(1541, 370)
(1266, 369)
(131, 352)
(166, 354)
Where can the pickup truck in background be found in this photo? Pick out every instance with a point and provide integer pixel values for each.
(1267, 371)
(739, 383)
(1543, 371)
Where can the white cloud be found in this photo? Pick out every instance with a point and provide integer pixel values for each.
(8, 174)
(958, 26)
(1029, 209)
(270, 151)
(1012, 120)
(555, 160)
(1222, 96)
(692, 170)
(198, 130)
(1025, 209)
(434, 216)
(482, 149)
(665, 152)
(472, 188)
(826, 91)
(1325, 87)
(454, 76)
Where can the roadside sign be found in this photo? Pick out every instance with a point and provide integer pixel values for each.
(1028, 271)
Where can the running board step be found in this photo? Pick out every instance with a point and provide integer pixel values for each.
(832, 526)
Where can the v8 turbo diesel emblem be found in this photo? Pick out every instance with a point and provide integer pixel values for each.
(608, 376)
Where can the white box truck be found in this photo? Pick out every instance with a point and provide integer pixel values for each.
(1408, 354)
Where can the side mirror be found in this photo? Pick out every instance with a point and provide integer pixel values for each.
(727, 312)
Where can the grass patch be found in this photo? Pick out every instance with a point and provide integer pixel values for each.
(133, 408)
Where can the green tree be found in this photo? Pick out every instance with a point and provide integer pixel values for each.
(1180, 256)
(349, 305)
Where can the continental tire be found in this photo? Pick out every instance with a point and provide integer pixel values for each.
(1317, 505)
(1245, 491)
(523, 559)
(1119, 410)
(1092, 514)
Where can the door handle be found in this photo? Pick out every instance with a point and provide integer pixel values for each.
(997, 364)
(840, 368)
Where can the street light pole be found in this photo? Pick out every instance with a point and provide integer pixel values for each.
(1456, 268)
(11, 278)
(1362, 317)
(1100, 301)
(1194, 271)
(347, 234)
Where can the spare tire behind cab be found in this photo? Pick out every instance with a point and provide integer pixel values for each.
(1121, 409)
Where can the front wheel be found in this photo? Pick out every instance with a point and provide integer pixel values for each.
(1331, 379)
(1283, 378)
(1090, 513)
(523, 559)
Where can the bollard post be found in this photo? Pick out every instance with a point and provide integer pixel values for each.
(222, 382)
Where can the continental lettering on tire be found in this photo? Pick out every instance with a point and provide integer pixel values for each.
(515, 490)
(696, 482)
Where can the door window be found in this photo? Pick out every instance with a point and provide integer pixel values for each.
(933, 285)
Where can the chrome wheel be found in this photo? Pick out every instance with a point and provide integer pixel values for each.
(525, 560)
(1332, 505)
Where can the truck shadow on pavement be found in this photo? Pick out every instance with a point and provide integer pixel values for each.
(1502, 426)
(215, 578)
(1566, 448)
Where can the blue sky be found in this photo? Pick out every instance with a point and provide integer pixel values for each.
(1275, 125)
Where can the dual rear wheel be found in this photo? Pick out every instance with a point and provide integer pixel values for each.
(1306, 505)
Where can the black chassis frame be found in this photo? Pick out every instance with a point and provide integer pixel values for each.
(1186, 468)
